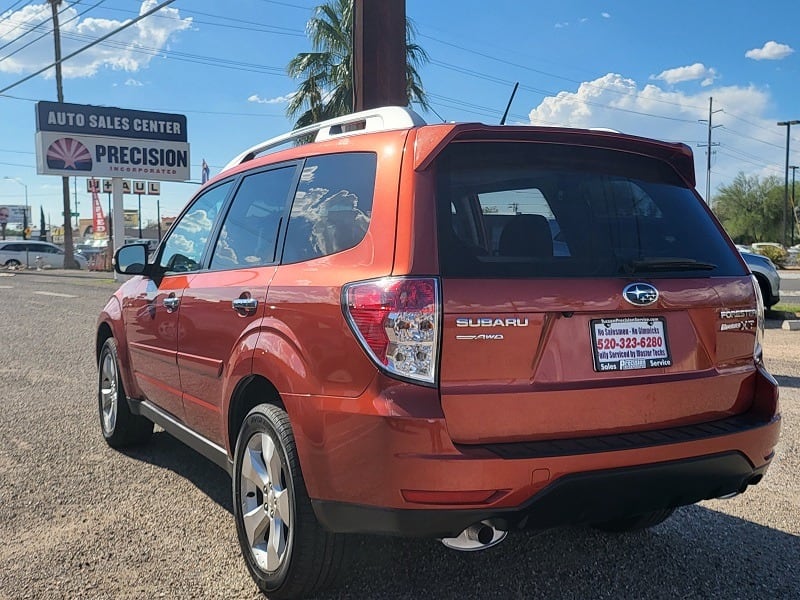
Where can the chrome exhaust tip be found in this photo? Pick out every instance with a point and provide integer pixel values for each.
(478, 536)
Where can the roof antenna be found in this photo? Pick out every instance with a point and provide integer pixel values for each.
(510, 100)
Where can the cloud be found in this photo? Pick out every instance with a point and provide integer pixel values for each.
(751, 144)
(130, 50)
(605, 15)
(770, 51)
(562, 25)
(131, 82)
(278, 100)
(687, 73)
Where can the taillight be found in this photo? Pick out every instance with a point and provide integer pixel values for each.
(396, 319)
(759, 319)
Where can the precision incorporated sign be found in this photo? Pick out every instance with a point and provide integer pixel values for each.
(100, 141)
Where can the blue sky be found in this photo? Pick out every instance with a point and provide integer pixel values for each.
(645, 68)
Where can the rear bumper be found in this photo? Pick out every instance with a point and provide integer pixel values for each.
(384, 463)
(573, 499)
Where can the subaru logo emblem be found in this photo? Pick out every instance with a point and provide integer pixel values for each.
(640, 294)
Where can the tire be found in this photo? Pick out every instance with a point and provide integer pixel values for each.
(766, 293)
(287, 551)
(13, 262)
(635, 522)
(120, 427)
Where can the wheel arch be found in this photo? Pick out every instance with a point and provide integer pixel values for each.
(110, 324)
(103, 333)
(249, 393)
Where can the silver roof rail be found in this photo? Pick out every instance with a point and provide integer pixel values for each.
(375, 119)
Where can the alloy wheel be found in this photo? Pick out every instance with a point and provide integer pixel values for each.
(109, 393)
(266, 503)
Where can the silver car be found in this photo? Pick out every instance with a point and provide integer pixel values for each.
(35, 254)
(767, 276)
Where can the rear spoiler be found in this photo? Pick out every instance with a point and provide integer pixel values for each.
(431, 140)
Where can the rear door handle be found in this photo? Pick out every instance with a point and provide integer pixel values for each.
(171, 302)
(245, 305)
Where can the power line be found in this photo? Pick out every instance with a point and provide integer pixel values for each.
(289, 4)
(247, 24)
(505, 82)
(25, 23)
(45, 34)
(588, 84)
(185, 57)
(17, 3)
(97, 41)
(555, 76)
(750, 137)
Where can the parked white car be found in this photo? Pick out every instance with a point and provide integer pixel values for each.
(767, 275)
(34, 254)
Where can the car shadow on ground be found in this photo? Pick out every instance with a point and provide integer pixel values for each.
(165, 451)
(697, 553)
(787, 381)
(721, 558)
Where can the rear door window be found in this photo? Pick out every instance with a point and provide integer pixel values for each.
(533, 210)
(332, 206)
(249, 234)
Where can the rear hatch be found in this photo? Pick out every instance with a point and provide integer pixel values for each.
(586, 290)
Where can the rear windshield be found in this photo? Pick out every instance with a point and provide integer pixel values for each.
(511, 209)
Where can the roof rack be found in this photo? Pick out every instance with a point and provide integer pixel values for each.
(375, 119)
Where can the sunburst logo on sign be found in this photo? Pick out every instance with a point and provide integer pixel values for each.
(69, 153)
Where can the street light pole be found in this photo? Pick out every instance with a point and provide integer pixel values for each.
(788, 125)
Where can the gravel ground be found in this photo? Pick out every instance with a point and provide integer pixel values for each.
(79, 520)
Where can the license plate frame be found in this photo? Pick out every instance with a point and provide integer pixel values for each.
(630, 344)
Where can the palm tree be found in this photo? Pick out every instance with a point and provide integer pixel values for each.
(326, 74)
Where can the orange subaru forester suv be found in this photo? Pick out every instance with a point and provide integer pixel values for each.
(452, 330)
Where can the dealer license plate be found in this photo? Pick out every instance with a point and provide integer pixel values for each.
(632, 343)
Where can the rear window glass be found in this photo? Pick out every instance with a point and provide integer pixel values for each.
(332, 207)
(535, 210)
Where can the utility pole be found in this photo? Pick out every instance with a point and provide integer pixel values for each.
(794, 215)
(69, 257)
(709, 145)
(788, 125)
(379, 54)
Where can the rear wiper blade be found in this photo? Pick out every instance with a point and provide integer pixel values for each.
(666, 264)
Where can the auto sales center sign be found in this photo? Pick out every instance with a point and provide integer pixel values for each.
(99, 141)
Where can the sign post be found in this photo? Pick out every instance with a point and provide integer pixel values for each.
(118, 218)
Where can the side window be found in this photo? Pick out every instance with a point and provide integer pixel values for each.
(249, 233)
(42, 248)
(332, 207)
(183, 249)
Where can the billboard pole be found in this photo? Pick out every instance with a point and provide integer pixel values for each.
(118, 215)
(140, 215)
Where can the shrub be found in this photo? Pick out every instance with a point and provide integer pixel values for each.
(777, 255)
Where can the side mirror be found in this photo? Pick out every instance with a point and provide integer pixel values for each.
(131, 259)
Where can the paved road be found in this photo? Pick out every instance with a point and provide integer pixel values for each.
(79, 520)
(790, 285)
